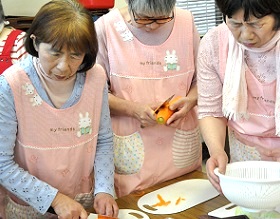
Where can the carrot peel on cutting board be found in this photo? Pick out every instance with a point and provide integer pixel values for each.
(179, 200)
(161, 202)
(164, 112)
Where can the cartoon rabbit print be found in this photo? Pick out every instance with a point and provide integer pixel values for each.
(171, 61)
(84, 125)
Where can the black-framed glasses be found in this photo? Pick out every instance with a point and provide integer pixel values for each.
(146, 21)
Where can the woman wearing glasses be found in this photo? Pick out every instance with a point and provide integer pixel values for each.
(238, 83)
(148, 50)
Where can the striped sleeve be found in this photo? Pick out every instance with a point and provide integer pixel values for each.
(18, 51)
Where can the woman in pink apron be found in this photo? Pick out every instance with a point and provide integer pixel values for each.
(56, 153)
(148, 50)
(239, 84)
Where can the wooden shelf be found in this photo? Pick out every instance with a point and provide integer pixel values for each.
(23, 22)
(20, 22)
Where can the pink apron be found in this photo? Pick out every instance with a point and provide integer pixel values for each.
(150, 74)
(246, 137)
(58, 145)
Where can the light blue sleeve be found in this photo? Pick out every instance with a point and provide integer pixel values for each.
(25, 186)
(104, 160)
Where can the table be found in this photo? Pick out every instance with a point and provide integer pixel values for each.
(130, 201)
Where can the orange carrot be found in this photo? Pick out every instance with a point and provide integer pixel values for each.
(164, 113)
(105, 217)
(160, 198)
(161, 202)
(178, 200)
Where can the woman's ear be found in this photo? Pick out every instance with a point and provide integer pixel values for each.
(33, 37)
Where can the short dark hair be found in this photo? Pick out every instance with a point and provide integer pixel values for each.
(65, 23)
(257, 8)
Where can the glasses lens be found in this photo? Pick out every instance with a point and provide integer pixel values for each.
(149, 21)
(163, 21)
(144, 21)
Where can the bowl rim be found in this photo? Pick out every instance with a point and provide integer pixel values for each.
(251, 163)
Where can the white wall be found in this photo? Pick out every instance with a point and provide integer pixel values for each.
(30, 7)
(120, 3)
(23, 7)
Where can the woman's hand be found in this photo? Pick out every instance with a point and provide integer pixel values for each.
(105, 204)
(144, 114)
(269, 155)
(67, 208)
(182, 106)
(140, 111)
(220, 160)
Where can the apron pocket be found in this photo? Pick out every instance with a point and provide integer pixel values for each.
(186, 147)
(128, 153)
(240, 151)
(85, 199)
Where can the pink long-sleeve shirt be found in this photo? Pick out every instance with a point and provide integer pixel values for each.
(259, 130)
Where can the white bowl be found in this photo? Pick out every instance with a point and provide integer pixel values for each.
(252, 185)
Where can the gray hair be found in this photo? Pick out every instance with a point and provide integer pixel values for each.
(152, 7)
(2, 15)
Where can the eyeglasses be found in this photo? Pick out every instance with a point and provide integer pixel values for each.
(146, 21)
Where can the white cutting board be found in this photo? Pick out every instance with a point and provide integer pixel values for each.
(190, 192)
(225, 211)
(228, 211)
(125, 214)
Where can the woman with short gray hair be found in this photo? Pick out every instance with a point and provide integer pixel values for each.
(148, 50)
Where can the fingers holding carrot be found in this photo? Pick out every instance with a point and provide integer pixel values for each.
(179, 108)
(165, 112)
(144, 114)
(182, 106)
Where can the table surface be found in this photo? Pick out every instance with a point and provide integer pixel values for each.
(130, 201)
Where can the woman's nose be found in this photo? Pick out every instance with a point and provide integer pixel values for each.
(153, 25)
(62, 64)
(246, 33)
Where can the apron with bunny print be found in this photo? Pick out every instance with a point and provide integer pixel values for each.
(150, 74)
(59, 148)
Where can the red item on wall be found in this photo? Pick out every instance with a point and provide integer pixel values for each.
(97, 4)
